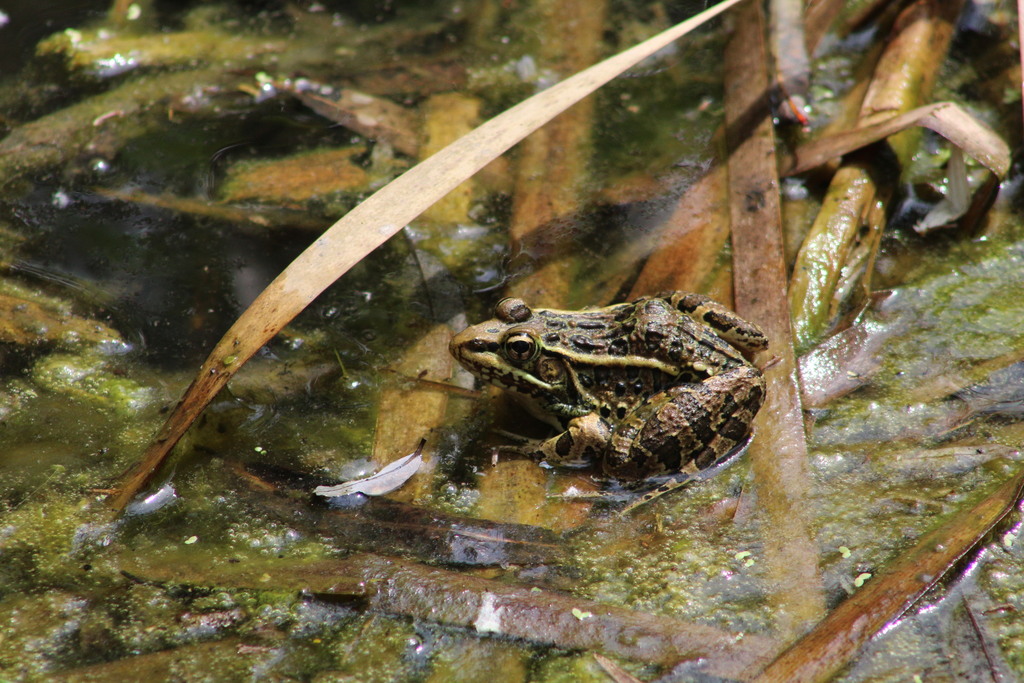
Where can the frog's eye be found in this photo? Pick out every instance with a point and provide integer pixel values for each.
(520, 347)
(512, 310)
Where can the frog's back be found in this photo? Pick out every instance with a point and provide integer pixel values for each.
(648, 342)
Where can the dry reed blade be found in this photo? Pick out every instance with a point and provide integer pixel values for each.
(947, 119)
(369, 225)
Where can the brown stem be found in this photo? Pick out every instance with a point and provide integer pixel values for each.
(778, 453)
(820, 654)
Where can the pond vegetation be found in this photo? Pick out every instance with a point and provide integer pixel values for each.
(843, 176)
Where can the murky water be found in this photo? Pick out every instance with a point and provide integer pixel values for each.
(129, 249)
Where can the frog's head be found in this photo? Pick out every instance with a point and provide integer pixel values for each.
(508, 351)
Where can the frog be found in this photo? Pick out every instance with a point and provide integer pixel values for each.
(661, 385)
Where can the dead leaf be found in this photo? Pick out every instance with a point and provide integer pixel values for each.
(30, 321)
(389, 478)
(957, 199)
(945, 118)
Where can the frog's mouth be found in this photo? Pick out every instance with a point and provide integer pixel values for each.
(503, 376)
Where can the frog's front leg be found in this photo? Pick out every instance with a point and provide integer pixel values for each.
(686, 428)
(583, 441)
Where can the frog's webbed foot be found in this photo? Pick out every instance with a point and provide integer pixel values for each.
(583, 442)
(546, 450)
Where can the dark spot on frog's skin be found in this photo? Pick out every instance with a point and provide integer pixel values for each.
(618, 347)
(563, 446)
(586, 379)
(705, 459)
(670, 454)
(591, 325)
(729, 405)
(718, 321)
(552, 338)
(583, 343)
(733, 429)
(620, 389)
(697, 417)
(606, 412)
(620, 412)
(656, 340)
(688, 303)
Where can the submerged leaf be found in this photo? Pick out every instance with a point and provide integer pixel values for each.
(28, 319)
(373, 117)
(305, 176)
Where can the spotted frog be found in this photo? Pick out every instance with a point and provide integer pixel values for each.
(658, 386)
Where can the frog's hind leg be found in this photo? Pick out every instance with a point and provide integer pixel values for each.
(643, 494)
(687, 428)
(741, 333)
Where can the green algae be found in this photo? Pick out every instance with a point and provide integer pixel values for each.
(88, 379)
